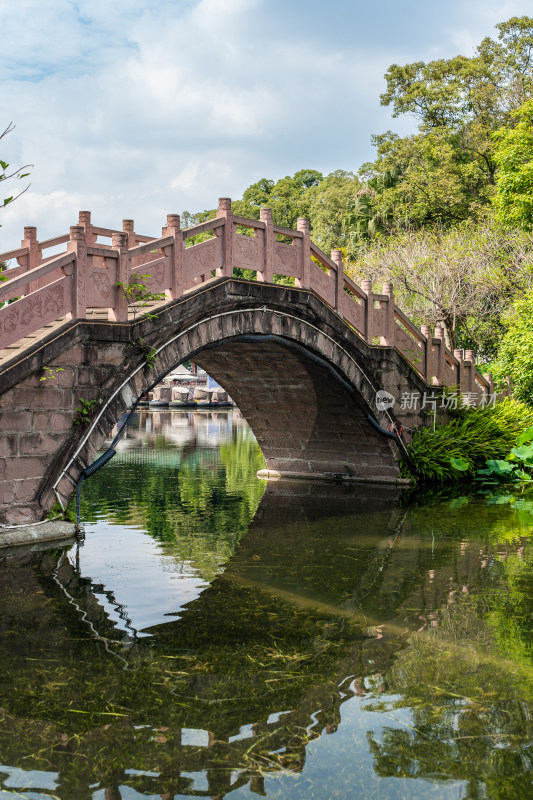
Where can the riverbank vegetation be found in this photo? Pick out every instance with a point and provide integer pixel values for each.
(445, 213)
(473, 441)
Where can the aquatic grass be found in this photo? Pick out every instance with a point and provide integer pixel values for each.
(455, 451)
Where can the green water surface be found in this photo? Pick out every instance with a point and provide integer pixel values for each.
(217, 636)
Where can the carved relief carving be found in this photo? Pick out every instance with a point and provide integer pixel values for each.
(101, 284)
(286, 259)
(53, 300)
(247, 250)
(157, 277)
(322, 283)
(200, 258)
(33, 309)
(11, 321)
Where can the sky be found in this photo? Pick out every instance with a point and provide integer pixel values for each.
(134, 109)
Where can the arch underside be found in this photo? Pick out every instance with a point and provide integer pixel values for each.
(306, 420)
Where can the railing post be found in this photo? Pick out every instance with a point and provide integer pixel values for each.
(266, 275)
(462, 383)
(471, 356)
(389, 324)
(224, 210)
(176, 255)
(30, 241)
(366, 286)
(488, 377)
(119, 243)
(79, 274)
(128, 227)
(336, 257)
(428, 370)
(84, 218)
(302, 224)
(441, 355)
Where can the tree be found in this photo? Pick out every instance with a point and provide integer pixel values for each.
(515, 355)
(514, 155)
(447, 171)
(326, 202)
(464, 277)
(17, 173)
(288, 197)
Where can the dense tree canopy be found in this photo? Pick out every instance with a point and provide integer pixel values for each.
(464, 277)
(514, 155)
(447, 171)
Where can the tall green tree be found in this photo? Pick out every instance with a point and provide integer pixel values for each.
(514, 155)
(287, 197)
(447, 171)
(515, 355)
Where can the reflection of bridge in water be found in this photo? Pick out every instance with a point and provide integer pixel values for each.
(194, 436)
(212, 702)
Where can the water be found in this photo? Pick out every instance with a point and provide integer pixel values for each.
(214, 638)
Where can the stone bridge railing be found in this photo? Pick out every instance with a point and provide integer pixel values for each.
(86, 276)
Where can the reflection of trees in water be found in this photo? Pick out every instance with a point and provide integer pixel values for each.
(313, 607)
(470, 710)
(199, 508)
(467, 676)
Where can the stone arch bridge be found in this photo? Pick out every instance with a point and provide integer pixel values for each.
(303, 361)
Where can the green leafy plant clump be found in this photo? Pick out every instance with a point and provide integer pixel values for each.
(84, 411)
(56, 512)
(138, 296)
(148, 351)
(459, 449)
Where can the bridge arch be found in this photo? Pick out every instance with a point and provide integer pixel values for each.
(304, 381)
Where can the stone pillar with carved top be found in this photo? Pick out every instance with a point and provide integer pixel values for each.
(470, 356)
(128, 227)
(336, 257)
(84, 218)
(488, 377)
(388, 337)
(34, 256)
(78, 246)
(119, 242)
(175, 251)
(302, 224)
(366, 286)
(428, 361)
(441, 354)
(462, 378)
(224, 210)
(266, 275)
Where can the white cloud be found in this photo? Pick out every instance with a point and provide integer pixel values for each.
(135, 109)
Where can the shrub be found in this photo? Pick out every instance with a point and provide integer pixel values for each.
(458, 449)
